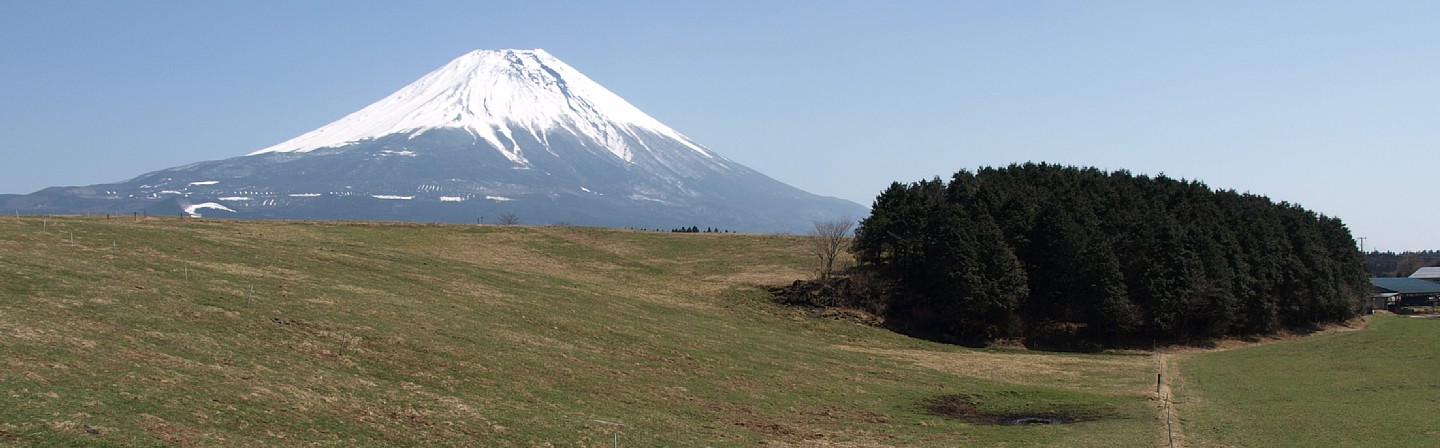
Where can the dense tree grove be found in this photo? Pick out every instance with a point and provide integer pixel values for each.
(1044, 251)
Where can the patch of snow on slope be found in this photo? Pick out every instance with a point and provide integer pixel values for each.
(452, 199)
(207, 182)
(234, 198)
(392, 197)
(499, 198)
(647, 198)
(304, 195)
(190, 209)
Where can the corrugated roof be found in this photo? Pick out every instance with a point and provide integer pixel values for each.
(1427, 273)
(1406, 285)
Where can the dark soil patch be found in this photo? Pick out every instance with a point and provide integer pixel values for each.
(963, 407)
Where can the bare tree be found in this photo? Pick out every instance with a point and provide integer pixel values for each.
(827, 241)
(509, 219)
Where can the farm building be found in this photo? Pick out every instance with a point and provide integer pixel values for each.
(1408, 291)
(1429, 274)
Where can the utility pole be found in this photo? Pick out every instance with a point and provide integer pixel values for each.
(1362, 244)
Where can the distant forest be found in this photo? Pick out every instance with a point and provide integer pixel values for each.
(1390, 264)
(1059, 254)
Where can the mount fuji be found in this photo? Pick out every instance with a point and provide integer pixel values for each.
(492, 133)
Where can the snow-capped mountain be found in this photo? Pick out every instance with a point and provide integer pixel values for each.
(493, 94)
(492, 132)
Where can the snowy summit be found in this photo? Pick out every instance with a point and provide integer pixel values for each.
(494, 94)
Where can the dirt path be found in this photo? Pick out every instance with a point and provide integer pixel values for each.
(1166, 375)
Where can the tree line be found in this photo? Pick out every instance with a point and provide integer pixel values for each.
(1391, 264)
(696, 229)
(1062, 254)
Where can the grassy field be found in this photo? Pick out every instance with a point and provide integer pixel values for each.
(171, 332)
(1377, 387)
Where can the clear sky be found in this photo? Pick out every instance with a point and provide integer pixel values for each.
(1331, 105)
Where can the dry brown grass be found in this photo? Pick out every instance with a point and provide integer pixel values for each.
(1356, 324)
(1112, 374)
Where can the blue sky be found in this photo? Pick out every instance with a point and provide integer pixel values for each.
(1335, 106)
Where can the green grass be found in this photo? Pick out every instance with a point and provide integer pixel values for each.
(1377, 387)
(431, 335)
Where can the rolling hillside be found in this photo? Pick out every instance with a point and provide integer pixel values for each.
(185, 332)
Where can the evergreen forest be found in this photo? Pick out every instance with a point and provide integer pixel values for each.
(1057, 254)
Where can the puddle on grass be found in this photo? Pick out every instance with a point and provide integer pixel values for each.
(964, 407)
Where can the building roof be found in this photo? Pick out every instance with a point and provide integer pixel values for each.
(1427, 273)
(1406, 285)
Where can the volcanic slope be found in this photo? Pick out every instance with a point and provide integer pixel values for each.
(491, 133)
